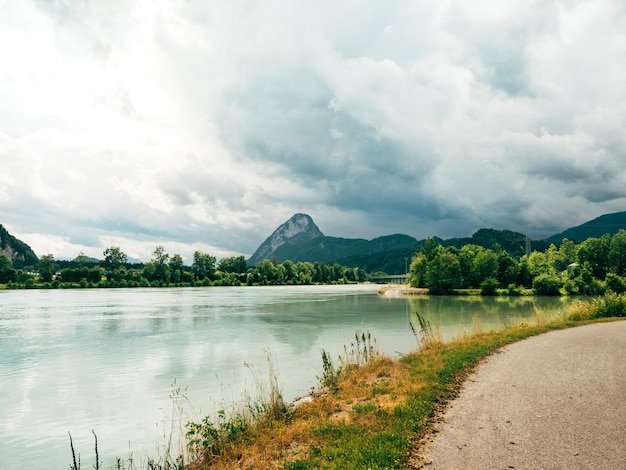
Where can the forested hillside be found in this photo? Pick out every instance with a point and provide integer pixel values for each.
(608, 223)
(16, 250)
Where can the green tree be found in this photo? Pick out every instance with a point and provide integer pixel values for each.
(556, 259)
(290, 271)
(430, 248)
(305, 272)
(538, 264)
(485, 267)
(568, 251)
(233, 264)
(203, 265)
(617, 253)
(94, 275)
(7, 273)
(176, 268)
(595, 252)
(149, 271)
(443, 273)
(46, 267)
(507, 269)
(467, 256)
(417, 271)
(268, 272)
(160, 259)
(524, 276)
(114, 258)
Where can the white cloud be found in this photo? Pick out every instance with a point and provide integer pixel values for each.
(209, 124)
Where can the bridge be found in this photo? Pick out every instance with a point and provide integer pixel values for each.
(390, 279)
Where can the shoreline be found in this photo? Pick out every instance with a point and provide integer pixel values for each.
(401, 290)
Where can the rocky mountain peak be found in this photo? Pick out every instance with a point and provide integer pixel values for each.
(299, 229)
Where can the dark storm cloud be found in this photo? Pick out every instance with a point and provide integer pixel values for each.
(204, 125)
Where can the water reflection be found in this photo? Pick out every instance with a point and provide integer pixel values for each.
(454, 316)
(106, 359)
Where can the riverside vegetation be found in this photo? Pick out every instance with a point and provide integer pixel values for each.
(370, 411)
(164, 270)
(588, 268)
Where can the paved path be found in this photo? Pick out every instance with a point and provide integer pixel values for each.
(554, 401)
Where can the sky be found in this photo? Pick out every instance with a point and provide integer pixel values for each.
(205, 124)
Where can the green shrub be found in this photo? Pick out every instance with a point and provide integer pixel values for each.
(547, 284)
(615, 283)
(488, 286)
(611, 305)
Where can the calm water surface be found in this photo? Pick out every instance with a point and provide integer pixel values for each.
(109, 360)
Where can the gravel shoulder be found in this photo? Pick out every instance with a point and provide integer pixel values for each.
(554, 401)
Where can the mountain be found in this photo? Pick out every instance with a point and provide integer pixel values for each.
(16, 250)
(511, 242)
(608, 223)
(299, 229)
(332, 249)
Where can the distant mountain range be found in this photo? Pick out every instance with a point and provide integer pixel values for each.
(608, 223)
(299, 239)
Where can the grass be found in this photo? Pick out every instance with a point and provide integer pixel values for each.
(371, 411)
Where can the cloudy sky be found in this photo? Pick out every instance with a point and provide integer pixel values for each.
(205, 124)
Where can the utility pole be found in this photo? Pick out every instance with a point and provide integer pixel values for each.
(406, 272)
(527, 248)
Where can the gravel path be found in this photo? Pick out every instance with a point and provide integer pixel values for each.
(554, 401)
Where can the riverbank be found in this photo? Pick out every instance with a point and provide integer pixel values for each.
(401, 290)
(374, 415)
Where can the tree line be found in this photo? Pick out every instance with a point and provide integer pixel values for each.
(588, 268)
(165, 270)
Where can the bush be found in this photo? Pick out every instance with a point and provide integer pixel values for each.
(514, 290)
(547, 284)
(615, 283)
(488, 286)
(611, 305)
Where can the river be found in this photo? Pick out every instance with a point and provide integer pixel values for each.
(130, 363)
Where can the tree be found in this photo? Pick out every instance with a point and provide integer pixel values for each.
(7, 273)
(160, 259)
(114, 258)
(46, 267)
(485, 267)
(568, 251)
(507, 269)
(176, 268)
(467, 257)
(556, 259)
(430, 249)
(538, 264)
(290, 271)
(203, 265)
(617, 253)
(234, 264)
(443, 273)
(595, 252)
(268, 272)
(417, 271)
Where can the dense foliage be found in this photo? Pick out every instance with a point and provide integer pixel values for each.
(169, 270)
(591, 267)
